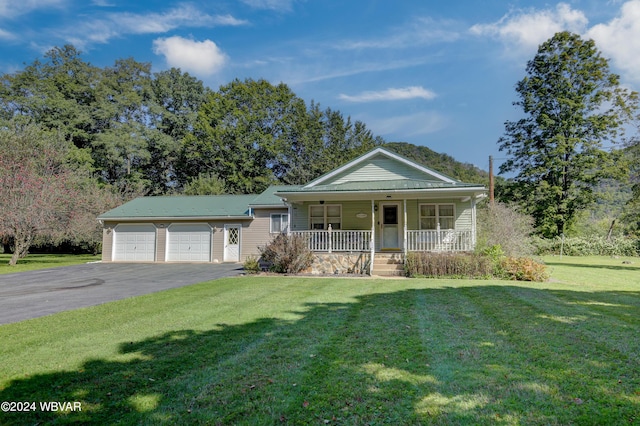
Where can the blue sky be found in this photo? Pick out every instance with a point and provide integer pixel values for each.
(434, 73)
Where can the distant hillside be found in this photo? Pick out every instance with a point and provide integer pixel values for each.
(444, 163)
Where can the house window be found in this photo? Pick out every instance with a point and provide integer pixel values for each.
(279, 223)
(321, 216)
(437, 216)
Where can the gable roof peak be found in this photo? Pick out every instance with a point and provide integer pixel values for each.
(387, 153)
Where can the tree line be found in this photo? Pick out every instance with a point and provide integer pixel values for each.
(122, 131)
(95, 137)
(157, 132)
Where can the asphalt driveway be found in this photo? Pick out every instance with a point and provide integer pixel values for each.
(34, 294)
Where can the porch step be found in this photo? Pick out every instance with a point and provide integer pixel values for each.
(388, 264)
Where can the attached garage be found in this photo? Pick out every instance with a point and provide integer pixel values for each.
(134, 243)
(189, 243)
(189, 228)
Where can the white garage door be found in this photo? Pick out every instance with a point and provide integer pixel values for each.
(134, 243)
(189, 243)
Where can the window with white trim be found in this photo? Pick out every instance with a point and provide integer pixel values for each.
(279, 223)
(321, 216)
(434, 216)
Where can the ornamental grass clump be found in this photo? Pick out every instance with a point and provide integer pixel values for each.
(489, 263)
(448, 265)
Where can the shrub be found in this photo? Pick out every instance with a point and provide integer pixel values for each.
(588, 246)
(287, 253)
(523, 269)
(251, 265)
(502, 225)
(450, 265)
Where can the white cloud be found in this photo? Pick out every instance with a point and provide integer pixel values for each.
(407, 126)
(13, 8)
(419, 31)
(281, 5)
(619, 39)
(184, 15)
(412, 92)
(102, 3)
(116, 24)
(6, 35)
(202, 58)
(526, 30)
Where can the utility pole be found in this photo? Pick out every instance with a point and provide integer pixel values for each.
(491, 197)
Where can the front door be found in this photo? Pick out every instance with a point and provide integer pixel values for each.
(390, 227)
(232, 243)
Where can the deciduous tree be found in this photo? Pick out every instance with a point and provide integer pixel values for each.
(177, 97)
(36, 190)
(57, 93)
(574, 108)
(241, 134)
(45, 193)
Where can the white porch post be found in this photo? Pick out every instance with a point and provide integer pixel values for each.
(405, 228)
(473, 223)
(290, 219)
(373, 236)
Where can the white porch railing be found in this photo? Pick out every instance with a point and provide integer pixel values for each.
(331, 241)
(444, 240)
(348, 241)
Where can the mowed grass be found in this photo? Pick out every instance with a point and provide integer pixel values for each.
(298, 351)
(43, 261)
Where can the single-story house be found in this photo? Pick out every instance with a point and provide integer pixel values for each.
(377, 206)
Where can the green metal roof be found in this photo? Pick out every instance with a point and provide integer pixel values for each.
(382, 185)
(268, 197)
(201, 206)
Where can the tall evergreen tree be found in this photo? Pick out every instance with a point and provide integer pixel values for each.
(574, 108)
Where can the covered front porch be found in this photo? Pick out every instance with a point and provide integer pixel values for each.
(380, 203)
(385, 226)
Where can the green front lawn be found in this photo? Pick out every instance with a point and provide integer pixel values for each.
(43, 261)
(287, 350)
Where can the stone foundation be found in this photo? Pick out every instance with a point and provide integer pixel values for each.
(340, 263)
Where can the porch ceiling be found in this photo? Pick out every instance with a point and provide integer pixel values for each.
(397, 189)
